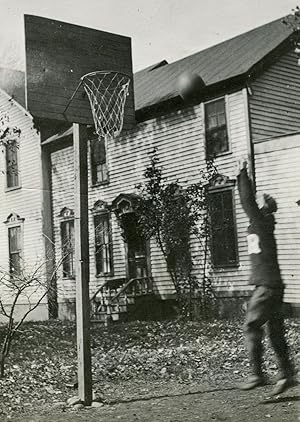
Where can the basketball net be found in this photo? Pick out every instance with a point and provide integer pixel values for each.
(107, 92)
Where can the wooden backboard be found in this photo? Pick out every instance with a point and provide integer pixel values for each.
(58, 54)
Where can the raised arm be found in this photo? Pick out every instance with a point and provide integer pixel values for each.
(247, 195)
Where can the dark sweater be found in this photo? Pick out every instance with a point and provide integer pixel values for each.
(261, 241)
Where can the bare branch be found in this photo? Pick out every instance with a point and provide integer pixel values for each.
(3, 311)
(29, 311)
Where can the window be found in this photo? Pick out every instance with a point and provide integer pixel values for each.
(216, 136)
(12, 171)
(223, 229)
(98, 161)
(15, 249)
(125, 207)
(15, 242)
(67, 241)
(103, 244)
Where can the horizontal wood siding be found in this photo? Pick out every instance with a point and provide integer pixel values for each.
(275, 100)
(62, 179)
(179, 138)
(231, 281)
(278, 173)
(27, 200)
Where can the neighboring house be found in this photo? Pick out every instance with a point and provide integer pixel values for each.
(277, 172)
(250, 107)
(21, 239)
(274, 122)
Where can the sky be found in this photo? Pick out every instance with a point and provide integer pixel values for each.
(160, 29)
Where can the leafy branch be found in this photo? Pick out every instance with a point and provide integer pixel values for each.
(172, 215)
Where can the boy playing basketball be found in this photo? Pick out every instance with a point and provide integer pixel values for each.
(265, 305)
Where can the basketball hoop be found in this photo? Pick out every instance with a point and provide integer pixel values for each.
(107, 92)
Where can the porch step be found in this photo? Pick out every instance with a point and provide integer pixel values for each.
(144, 308)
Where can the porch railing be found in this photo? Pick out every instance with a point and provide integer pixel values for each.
(115, 296)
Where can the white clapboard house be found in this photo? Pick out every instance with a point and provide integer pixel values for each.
(250, 107)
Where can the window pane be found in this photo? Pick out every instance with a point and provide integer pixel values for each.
(15, 248)
(106, 258)
(98, 151)
(72, 235)
(102, 244)
(212, 121)
(14, 234)
(220, 106)
(216, 128)
(101, 172)
(98, 160)
(106, 231)
(12, 165)
(64, 236)
(227, 200)
(15, 263)
(99, 231)
(214, 201)
(210, 108)
(68, 245)
(221, 119)
(224, 248)
(216, 141)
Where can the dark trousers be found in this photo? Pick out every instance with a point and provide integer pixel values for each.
(265, 306)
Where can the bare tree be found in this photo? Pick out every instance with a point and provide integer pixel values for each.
(293, 19)
(25, 284)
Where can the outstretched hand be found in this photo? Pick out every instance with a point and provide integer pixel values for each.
(241, 165)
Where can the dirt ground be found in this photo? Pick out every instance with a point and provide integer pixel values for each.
(143, 371)
(228, 404)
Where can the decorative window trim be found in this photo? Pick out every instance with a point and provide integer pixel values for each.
(100, 207)
(221, 182)
(14, 220)
(124, 203)
(226, 102)
(66, 214)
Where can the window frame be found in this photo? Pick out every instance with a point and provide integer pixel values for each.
(228, 151)
(104, 214)
(220, 190)
(18, 185)
(93, 167)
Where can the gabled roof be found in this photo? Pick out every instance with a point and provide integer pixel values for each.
(62, 134)
(13, 83)
(224, 61)
(140, 73)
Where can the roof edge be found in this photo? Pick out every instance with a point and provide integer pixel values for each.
(16, 103)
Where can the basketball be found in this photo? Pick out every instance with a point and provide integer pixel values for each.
(190, 86)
